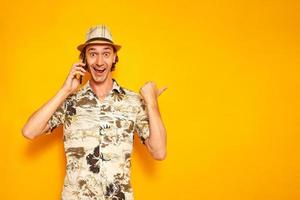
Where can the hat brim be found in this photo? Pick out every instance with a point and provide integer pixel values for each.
(81, 46)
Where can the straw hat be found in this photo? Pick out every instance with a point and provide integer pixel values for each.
(99, 34)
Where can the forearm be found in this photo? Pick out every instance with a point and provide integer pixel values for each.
(157, 139)
(38, 120)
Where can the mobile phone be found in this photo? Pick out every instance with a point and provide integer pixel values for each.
(85, 67)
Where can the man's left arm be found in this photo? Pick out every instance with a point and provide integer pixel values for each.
(157, 141)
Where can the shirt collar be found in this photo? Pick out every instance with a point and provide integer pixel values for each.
(116, 87)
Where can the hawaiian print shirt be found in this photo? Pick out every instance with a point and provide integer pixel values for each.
(98, 139)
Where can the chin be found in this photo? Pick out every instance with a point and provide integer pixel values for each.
(99, 79)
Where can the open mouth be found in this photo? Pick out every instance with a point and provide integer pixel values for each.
(98, 70)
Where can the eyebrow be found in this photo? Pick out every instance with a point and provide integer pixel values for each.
(103, 49)
(91, 49)
(108, 48)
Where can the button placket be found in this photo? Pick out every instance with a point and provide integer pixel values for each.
(101, 106)
(100, 133)
(101, 111)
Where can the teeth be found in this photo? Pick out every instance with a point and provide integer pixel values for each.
(99, 70)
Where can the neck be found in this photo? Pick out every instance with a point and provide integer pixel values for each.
(102, 88)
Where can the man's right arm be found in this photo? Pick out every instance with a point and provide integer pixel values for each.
(37, 123)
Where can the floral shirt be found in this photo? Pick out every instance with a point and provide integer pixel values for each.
(98, 140)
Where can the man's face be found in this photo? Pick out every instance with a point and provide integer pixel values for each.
(99, 60)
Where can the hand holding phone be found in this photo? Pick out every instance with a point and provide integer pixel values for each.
(73, 80)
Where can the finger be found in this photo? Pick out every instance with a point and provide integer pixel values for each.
(77, 74)
(160, 91)
(73, 70)
(80, 64)
(80, 68)
(77, 71)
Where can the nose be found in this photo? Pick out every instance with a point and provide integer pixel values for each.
(99, 60)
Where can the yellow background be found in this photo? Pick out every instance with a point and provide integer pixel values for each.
(231, 108)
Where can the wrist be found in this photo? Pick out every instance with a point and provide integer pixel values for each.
(153, 104)
(64, 92)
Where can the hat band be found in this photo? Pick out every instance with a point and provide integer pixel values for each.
(99, 38)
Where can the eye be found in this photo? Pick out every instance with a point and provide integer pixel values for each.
(106, 54)
(92, 54)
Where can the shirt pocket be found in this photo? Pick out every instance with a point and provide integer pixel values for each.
(124, 128)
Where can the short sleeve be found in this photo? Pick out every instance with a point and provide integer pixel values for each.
(142, 122)
(57, 118)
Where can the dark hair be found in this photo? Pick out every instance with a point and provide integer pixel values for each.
(83, 57)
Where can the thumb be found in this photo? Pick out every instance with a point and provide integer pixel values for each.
(160, 91)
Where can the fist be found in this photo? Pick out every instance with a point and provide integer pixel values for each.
(150, 92)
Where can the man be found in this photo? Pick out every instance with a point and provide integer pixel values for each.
(99, 121)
